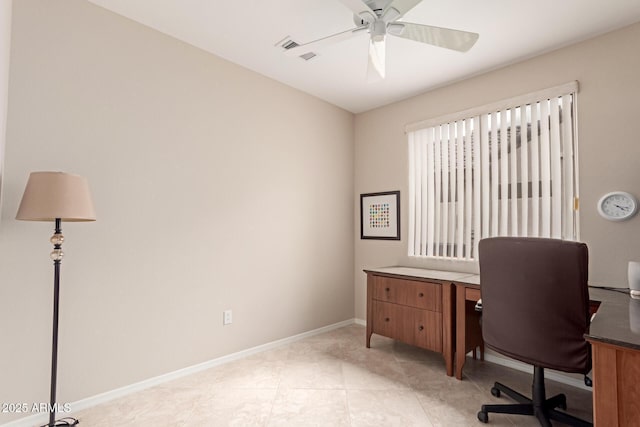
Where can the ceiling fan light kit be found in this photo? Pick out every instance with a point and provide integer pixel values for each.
(378, 29)
(377, 55)
(378, 18)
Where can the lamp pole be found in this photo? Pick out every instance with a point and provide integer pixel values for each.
(56, 256)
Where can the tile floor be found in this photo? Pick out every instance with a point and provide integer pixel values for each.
(330, 379)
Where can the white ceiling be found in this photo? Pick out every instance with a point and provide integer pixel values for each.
(246, 32)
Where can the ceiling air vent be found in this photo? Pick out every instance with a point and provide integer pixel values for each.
(308, 56)
(287, 44)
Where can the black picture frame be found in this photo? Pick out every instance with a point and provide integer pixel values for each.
(380, 215)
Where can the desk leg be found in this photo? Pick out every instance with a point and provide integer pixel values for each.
(369, 309)
(461, 338)
(448, 334)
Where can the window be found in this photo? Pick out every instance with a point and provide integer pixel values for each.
(506, 169)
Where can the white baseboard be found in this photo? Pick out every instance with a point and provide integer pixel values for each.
(43, 418)
(552, 375)
(360, 322)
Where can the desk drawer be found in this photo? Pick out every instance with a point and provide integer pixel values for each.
(424, 295)
(427, 329)
(471, 294)
(408, 292)
(390, 290)
(387, 319)
(422, 328)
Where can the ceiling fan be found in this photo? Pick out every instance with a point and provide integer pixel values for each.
(379, 18)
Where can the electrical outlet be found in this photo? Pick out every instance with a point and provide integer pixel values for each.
(227, 317)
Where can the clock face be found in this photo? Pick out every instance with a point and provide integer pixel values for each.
(617, 206)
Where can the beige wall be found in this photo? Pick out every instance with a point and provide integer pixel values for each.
(609, 147)
(215, 188)
(5, 49)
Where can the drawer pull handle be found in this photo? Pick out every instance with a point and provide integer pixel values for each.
(386, 319)
(420, 328)
(387, 289)
(420, 294)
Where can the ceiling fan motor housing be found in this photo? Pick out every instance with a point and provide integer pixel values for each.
(377, 24)
(377, 6)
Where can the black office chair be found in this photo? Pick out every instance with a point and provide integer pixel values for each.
(535, 308)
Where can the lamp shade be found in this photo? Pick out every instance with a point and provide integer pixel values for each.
(51, 195)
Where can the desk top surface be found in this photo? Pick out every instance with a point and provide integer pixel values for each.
(421, 273)
(616, 322)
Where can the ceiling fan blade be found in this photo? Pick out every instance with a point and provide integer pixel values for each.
(361, 9)
(458, 40)
(398, 8)
(320, 43)
(376, 66)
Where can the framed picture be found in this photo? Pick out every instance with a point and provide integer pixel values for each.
(380, 215)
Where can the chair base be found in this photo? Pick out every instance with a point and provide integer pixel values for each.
(542, 408)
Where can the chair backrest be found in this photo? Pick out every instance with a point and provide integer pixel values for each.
(535, 301)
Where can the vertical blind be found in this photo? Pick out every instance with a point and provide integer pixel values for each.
(507, 169)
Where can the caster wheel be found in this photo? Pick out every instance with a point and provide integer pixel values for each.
(483, 417)
(495, 391)
(563, 403)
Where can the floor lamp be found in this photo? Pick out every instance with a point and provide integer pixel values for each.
(56, 196)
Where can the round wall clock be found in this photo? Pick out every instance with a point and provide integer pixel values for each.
(617, 206)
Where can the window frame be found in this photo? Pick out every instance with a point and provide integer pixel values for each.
(493, 122)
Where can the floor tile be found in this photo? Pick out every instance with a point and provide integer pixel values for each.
(298, 407)
(315, 374)
(248, 373)
(389, 408)
(330, 379)
(235, 407)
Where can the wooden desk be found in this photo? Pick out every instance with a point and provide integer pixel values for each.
(414, 306)
(614, 335)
